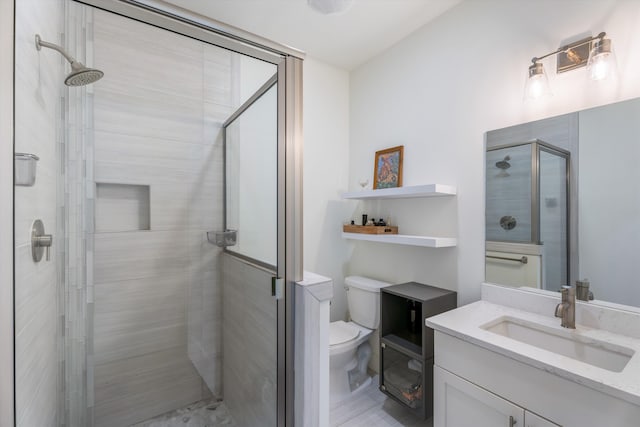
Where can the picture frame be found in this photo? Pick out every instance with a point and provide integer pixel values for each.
(388, 168)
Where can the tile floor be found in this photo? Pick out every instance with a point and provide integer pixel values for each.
(206, 413)
(371, 408)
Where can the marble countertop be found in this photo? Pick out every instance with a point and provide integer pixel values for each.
(466, 323)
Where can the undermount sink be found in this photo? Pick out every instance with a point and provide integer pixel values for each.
(567, 343)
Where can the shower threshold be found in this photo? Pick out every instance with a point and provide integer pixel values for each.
(205, 413)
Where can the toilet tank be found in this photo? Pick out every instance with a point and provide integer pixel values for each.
(363, 298)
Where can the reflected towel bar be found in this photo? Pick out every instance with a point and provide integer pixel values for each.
(523, 260)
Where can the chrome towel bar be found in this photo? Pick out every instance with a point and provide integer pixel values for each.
(523, 260)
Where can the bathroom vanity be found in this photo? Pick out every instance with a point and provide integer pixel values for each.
(505, 361)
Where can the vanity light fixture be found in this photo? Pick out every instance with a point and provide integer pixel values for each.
(593, 52)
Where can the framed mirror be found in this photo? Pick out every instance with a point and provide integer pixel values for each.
(563, 203)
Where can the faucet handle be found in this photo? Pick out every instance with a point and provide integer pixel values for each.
(560, 309)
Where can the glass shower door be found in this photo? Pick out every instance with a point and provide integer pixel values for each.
(250, 311)
(554, 217)
(129, 319)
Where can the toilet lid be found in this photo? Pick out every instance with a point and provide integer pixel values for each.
(341, 332)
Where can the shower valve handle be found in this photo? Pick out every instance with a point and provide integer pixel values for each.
(45, 241)
(40, 241)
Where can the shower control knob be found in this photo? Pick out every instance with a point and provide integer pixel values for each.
(508, 222)
(45, 241)
(40, 241)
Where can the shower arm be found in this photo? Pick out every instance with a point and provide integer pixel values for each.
(40, 44)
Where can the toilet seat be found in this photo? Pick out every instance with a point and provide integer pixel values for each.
(341, 332)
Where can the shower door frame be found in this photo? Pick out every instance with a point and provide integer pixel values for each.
(289, 255)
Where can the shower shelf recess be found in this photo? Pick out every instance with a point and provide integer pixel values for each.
(415, 191)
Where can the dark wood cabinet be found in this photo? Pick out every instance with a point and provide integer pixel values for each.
(406, 344)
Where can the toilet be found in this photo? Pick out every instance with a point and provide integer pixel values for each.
(349, 349)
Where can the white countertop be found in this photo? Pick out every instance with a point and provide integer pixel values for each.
(466, 324)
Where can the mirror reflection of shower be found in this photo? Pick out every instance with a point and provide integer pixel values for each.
(80, 74)
(503, 165)
(527, 214)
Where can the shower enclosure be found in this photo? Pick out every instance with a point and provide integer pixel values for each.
(137, 315)
(527, 188)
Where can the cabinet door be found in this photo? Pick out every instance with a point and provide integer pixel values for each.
(533, 420)
(459, 403)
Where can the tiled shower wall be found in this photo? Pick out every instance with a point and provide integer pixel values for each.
(157, 117)
(250, 344)
(509, 193)
(38, 90)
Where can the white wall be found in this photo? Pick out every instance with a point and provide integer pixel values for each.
(326, 170)
(439, 90)
(6, 213)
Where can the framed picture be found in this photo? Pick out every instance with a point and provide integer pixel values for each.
(388, 169)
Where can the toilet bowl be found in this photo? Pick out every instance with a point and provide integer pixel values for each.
(344, 340)
(349, 349)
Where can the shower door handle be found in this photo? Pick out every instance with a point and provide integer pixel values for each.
(40, 241)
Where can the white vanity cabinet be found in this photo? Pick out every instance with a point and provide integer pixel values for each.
(533, 420)
(460, 403)
(475, 386)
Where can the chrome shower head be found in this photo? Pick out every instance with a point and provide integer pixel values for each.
(504, 163)
(80, 74)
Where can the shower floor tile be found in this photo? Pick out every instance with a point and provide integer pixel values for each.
(206, 413)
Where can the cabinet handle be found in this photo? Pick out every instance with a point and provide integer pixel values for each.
(512, 421)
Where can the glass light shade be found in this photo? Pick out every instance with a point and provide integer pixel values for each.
(537, 85)
(602, 62)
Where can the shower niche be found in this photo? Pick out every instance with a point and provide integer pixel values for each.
(527, 215)
(122, 207)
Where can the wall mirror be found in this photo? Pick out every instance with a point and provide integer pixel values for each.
(563, 203)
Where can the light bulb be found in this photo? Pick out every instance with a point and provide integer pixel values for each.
(601, 60)
(537, 85)
(599, 69)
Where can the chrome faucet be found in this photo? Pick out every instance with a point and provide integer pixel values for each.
(567, 308)
(582, 290)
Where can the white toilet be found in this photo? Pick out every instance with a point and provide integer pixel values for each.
(349, 350)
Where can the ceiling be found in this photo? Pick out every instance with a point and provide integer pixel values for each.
(345, 40)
